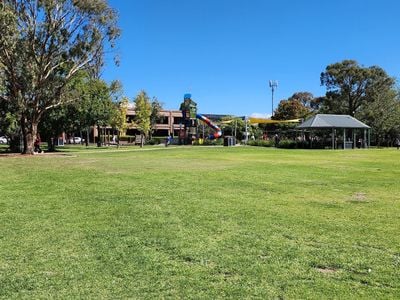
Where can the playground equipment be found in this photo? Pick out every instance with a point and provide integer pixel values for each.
(255, 120)
(218, 132)
(189, 132)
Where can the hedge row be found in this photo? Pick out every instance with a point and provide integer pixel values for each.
(287, 144)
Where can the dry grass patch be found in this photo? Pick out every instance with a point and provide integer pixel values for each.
(359, 197)
(326, 270)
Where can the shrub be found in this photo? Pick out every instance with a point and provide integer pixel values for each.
(156, 140)
(216, 142)
(261, 143)
(302, 145)
(287, 144)
(318, 145)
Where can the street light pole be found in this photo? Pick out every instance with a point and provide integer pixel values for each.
(273, 84)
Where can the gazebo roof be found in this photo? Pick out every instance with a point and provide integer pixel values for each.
(332, 121)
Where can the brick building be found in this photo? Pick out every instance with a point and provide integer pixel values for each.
(169, 121)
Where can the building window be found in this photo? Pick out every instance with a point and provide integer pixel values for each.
(178, 120)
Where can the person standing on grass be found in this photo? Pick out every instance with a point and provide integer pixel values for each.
(276, 140)
(168, 140)
(37, 144)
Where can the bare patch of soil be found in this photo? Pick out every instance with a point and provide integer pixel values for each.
(326, 270)
(359, 197)
(43, 154)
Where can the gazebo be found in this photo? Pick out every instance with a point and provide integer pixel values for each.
(338, 122)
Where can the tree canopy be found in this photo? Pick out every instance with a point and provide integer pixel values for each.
(96, 107)
(349, 86)
(298, 106)
(367, 93)
(156, 107)
(142, 114)
(43, 45)
(118, 119)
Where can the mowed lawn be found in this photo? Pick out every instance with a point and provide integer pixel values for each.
(201, 222)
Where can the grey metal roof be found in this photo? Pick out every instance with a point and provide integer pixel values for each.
(332, 121)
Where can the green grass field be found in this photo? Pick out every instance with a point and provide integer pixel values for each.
(201, 223)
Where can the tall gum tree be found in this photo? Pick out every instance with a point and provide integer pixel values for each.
(348, 85)
(43, 45)
(368, 93)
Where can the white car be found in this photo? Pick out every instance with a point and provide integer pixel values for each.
(76, 140)
(3, 140)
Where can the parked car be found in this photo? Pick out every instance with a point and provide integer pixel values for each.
(76, 140)
(3, 140)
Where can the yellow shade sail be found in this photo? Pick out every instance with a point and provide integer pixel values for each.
(269, 121)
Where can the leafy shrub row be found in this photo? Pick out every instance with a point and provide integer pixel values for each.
(288, 144)
(260, 143)
(207, 142)
(156, 140)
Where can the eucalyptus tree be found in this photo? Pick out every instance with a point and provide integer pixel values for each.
(308, 100)
(43, 45)
(349, 84)
(367, 93)
(383, 115)
(291, 109)
(95, 108)
(156, 107)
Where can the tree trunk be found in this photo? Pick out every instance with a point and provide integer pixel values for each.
(29, 133)
(87, 137)
(141, 140)
(98, 136)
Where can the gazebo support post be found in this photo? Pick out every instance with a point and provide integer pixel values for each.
(333, 138)
(344, 138)
(354, 139)
(369, 138)
(364, 145)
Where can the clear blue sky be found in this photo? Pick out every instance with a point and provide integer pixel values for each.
(224, 52)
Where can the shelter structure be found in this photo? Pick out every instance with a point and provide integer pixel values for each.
(340, 125)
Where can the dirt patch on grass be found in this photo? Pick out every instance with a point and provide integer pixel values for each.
(326, 270)
(44, 154)
(359, 197)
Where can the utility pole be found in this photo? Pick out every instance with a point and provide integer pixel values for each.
(273, 84)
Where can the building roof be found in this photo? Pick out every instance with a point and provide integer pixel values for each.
(332, 121)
